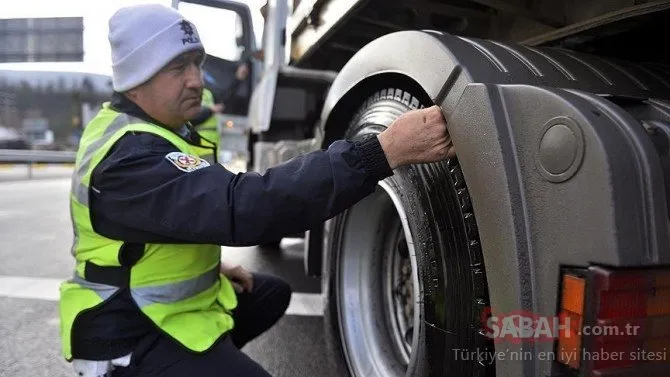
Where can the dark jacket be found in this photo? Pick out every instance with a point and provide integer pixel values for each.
(139, 196)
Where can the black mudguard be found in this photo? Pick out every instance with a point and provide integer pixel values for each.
(559, 151)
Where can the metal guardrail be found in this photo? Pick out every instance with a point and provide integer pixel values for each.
(33, 157)
(21, 156)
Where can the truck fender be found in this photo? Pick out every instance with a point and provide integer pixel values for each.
(417, 58)
(442, 65)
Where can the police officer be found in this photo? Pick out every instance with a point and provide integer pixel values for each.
(206, 123)
(149, 294)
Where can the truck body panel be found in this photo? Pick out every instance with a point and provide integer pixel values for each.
(328, 33)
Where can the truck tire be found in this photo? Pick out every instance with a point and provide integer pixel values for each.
(406, 282)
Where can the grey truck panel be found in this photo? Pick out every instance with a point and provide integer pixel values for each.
(556, 152)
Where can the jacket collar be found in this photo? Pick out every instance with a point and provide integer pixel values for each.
(122, 104)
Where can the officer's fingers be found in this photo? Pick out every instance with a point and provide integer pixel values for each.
(243, 277)
(238, 270)
(249, 284)
(238, 287)
(248, 281)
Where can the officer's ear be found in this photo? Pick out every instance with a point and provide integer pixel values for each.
(132, 94)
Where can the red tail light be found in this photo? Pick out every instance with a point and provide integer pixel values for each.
(620, 322)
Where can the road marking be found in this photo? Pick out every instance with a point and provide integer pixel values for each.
(302, 304)
(12, 214)
(305, 304)
(32, 288)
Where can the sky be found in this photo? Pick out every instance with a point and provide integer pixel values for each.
(96, 14)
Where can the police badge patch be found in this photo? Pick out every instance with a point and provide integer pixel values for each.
(185, 162)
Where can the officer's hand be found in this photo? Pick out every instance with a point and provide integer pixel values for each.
(242, 279)
(218, 108)
(260, 54)
(417, 136)
(242, 72)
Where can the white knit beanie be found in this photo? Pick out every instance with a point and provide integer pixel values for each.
(144, 39)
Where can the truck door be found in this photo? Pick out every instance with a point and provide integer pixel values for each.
(226, 31)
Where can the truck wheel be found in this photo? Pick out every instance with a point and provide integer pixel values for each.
(406, 281)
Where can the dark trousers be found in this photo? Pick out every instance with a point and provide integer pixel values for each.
(159, 355)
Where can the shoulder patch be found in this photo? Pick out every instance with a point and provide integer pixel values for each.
(186, 162)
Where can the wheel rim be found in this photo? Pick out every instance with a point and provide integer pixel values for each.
(399, 293)
(376, 256)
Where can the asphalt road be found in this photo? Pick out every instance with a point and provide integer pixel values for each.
(35, 237)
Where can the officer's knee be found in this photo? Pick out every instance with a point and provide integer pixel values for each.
(285, 294)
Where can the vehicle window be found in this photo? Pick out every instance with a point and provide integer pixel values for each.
(220, 30)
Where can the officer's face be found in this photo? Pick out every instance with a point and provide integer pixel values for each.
(173, 95)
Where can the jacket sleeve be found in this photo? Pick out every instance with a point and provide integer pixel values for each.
(139, 195)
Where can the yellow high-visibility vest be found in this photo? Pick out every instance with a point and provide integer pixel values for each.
(209, 129)
(179, 287)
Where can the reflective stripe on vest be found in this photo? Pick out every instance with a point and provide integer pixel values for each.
(103, 290)
(171, 293)
(78, 188)
(179, 287)
(164, 294)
